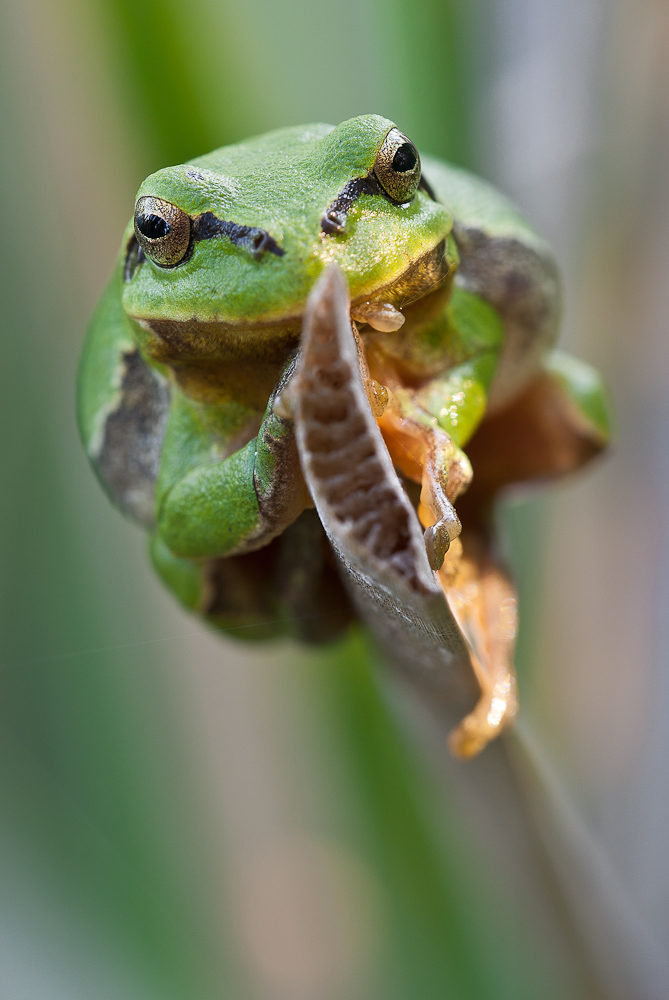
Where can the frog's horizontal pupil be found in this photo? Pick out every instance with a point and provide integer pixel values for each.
(152, 226)
(405, 158)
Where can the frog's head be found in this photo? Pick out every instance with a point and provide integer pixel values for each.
(234, 240)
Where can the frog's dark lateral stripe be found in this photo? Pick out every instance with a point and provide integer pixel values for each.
(333, 219)
(208, 225)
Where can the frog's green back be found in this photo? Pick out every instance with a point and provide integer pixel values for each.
(503, 261)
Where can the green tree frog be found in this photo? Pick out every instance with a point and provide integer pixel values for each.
(314, 343)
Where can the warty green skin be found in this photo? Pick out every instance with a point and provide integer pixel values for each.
(213, 474)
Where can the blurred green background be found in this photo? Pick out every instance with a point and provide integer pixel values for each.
(189, 817)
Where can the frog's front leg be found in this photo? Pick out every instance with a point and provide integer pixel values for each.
(425, 429)
(454, 405)
(207, 508)
(427, 455)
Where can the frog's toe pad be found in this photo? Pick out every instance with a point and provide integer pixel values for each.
(437, 544)
(438, 538)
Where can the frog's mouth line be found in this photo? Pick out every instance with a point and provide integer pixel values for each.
(427, 274)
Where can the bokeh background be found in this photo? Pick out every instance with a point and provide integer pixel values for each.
(188, 818)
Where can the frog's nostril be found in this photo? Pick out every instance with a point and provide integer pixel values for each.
(262, 241)
(333, 221)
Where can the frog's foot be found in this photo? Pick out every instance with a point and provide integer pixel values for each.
(484, 603)
(438, 538)
(446, 471)
(427, 455)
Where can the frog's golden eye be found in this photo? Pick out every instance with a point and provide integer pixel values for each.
(162, 230)
(397, 167)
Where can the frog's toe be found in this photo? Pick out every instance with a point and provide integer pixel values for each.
(437, 544)
(435, 510)
(438, 538)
